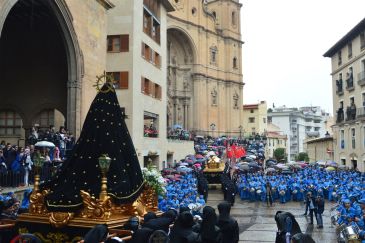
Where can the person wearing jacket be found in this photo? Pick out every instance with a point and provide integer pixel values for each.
(227, 224)
(320, 210)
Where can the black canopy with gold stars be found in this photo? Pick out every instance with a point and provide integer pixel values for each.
(104, 132)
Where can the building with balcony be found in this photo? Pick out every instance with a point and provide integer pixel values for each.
(254, 118)
(137, 64)
(299, 124)
(348, 68)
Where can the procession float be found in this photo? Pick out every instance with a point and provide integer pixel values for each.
(100, 183)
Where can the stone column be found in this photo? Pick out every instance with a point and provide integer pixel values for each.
(73, 107)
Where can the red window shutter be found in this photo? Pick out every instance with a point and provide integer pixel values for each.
(157, 59)
(123, 80)
(142, 84)
(109, 41)
(124, 43)
(152, 89)
(152, 56)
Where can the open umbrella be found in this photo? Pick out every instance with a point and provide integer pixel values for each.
(44, 144)
(330, 168)
(331, 163)
(243, 167)
(177, 126)
(211, 153)
(199, 156)
(321, 162)
(270, 170)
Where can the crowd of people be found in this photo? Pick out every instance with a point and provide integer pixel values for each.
(180, 226)
(17, 163)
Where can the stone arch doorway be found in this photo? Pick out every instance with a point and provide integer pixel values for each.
(181, 58)
(41, 62)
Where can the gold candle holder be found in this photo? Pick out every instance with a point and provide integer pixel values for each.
(104, 162)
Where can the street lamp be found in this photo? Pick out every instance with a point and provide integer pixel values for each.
(240, 127)
(38, 164)
(212, 127)
(104, 163)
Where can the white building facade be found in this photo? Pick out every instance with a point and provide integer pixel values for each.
(299, 124)
(136, 59)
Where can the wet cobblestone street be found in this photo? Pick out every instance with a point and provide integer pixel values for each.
(257, 223)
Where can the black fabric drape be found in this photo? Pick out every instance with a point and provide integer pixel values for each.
(104, 132)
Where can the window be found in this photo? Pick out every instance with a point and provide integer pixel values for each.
(252, 111)
(349, 50)
(120, 79)
(153, 6)
(150, 88)
(213, 55)
(339, 58)
(264, 120)
(362, 40)
(342, 139)
(234, 20)
(45, 119)
(214, 14)
(234, 62)
(151, 26)
(150, 55)
(10, 123)
(193, 11)
(353, 133)
(118, 43)
(251, 119)
(150, 124)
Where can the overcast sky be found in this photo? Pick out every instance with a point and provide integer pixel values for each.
(285, 41)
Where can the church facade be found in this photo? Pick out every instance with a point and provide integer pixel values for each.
(50, 55)
(204, 67)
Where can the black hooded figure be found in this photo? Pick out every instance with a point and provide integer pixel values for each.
(287, 226)
(209, 231)
(97, 234)
(104, 132)
(182, 231)
(302, 238)
(228, 225)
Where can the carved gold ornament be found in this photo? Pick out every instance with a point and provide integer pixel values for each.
(101, 80)
(60, 219)
(95, 208)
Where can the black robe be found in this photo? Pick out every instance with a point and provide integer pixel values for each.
(104, 132)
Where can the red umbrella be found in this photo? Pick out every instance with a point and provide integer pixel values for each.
(199, 156)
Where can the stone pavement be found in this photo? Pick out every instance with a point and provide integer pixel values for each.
(257, 224)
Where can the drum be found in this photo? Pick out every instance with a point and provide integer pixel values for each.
(351, 233)
(334, 216)
(295, 191)
(274, 189)
(258, 192)
(252, 189)
(282, 193)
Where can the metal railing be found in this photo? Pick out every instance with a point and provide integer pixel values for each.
(9, 178)
(361, 78)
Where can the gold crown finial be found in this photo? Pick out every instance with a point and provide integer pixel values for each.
(102, 79)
